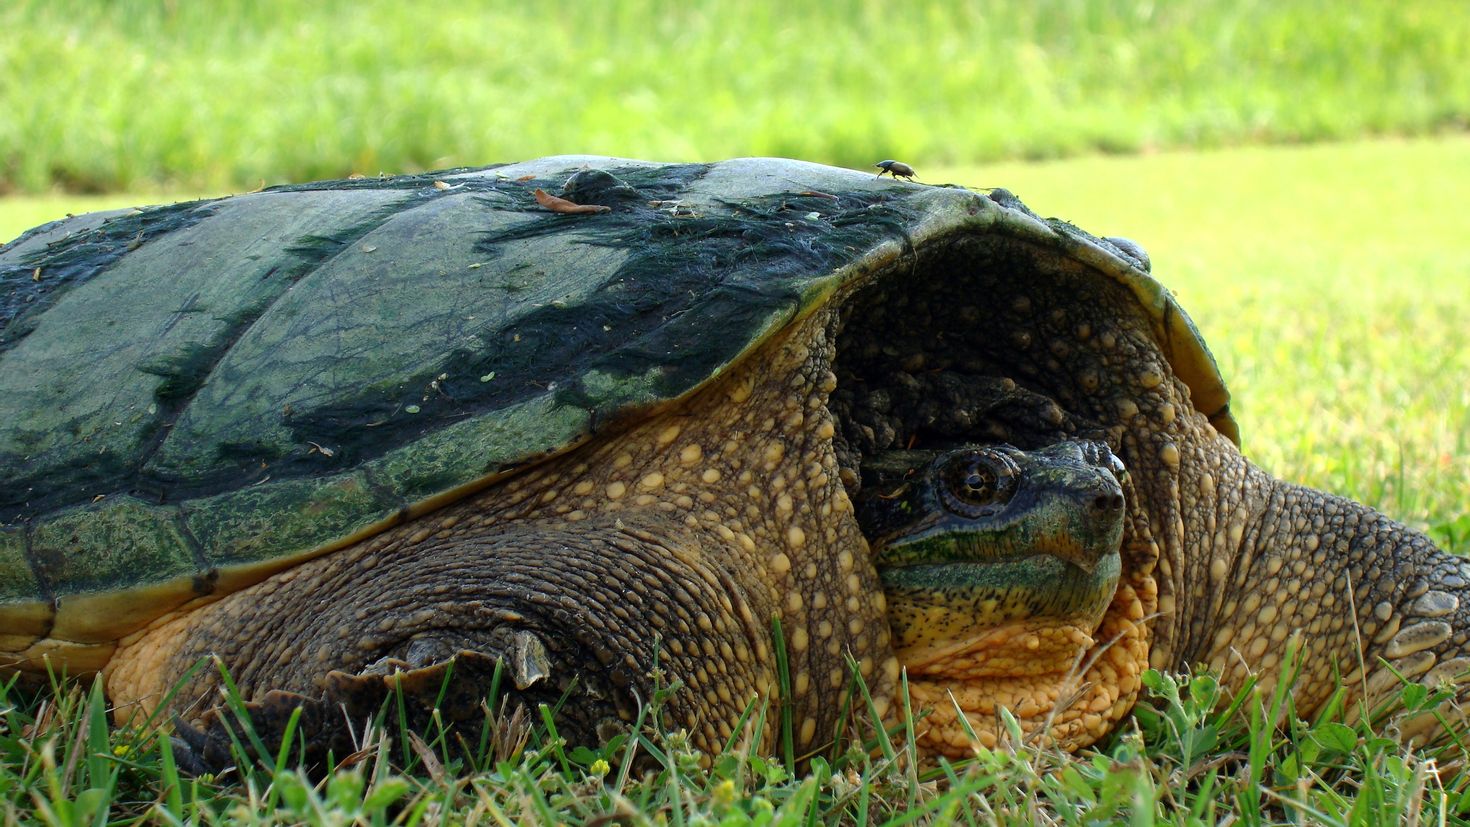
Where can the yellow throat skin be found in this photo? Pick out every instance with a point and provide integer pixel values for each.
(1000, 565)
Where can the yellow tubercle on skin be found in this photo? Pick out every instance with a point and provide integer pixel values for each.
(759, 492)
(1080, 682)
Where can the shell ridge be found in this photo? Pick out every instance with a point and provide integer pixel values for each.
(40, 278)
(413, 181)
(313, 252)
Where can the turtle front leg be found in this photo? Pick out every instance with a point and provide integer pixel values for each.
(578, 617)
(1362, 596)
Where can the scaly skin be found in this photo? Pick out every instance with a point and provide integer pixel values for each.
(688, 533)
(1246, 562)
(1276, 561)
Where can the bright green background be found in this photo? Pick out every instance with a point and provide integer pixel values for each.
(224, 94)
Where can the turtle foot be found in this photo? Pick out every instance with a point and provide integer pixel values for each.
(258, 728)
(339, 724)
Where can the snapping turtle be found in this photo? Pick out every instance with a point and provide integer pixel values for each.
(362, 435)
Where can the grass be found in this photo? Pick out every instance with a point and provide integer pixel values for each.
(1332, 283)
(141, 94)
(1186, 757)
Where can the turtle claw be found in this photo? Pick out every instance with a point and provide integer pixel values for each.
(529, 661)
(196, 753)
(260, 728)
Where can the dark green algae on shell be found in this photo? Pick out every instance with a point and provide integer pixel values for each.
(197, 395)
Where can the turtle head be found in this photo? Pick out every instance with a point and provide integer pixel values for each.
(978, 544)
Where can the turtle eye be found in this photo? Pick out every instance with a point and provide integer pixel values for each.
(978, 482)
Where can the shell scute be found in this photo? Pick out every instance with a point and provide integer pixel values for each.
(94, 391)
(114, 543)
(252, 525)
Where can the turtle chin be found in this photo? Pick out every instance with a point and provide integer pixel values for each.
(989, 619)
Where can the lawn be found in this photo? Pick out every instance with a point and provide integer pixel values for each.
(135, 94)
(1332, 282)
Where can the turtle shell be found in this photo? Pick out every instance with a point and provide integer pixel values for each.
(195, 396)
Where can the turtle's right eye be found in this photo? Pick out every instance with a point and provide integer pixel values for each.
(977, 482)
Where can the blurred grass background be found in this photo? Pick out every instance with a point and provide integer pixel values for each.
(222, 95)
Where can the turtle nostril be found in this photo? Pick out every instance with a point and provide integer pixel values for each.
(1108, 502)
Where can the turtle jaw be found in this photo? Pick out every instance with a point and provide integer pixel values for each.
(940, 605)
(962, 621)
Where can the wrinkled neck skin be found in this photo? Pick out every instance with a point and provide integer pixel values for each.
(1269, 566)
